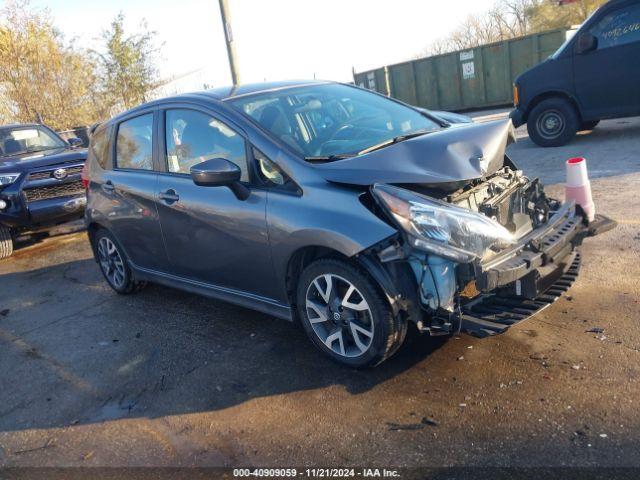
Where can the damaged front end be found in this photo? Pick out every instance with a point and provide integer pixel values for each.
(482, 257)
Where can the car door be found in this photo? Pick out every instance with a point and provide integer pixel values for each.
(210, 235)
(129, 189)
(606, 79)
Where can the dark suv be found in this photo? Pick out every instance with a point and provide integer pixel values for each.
(349, 211)
(40, 181)
(595, 75)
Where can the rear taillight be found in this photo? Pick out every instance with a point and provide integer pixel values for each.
(84, 175)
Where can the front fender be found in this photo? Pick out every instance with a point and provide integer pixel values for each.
(326, 216)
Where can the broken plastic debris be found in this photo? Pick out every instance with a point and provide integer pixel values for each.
(595, 330)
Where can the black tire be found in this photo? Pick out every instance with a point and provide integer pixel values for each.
(585, 126)
(553, 122)
(113, 263)
(386, 332)
(6, 242)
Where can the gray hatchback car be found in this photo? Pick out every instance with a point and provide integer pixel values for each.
(319, 202)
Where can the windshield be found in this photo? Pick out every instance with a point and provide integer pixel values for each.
(19, 140)
(332, 120)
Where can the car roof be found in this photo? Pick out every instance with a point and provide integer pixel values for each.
(225, 93)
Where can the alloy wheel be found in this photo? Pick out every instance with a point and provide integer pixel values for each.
(111, 262)
(339, 315)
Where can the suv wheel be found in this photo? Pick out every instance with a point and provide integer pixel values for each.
(6, 242)
(553, 122)
(346, 316)
(113, 264)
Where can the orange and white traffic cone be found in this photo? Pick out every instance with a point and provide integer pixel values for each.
(578, 187)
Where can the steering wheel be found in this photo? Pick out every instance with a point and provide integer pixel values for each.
(340, 129)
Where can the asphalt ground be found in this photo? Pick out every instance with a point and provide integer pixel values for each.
(165, 378)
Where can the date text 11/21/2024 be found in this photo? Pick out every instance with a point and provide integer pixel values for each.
(316, 473)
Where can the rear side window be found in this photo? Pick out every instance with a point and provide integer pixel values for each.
(100, 146)
(619, 27)
(134, 143)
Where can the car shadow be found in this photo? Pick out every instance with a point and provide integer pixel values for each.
(23, 241)
(75, 352)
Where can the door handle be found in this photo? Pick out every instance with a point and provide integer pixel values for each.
(169, 196)
(108, 186)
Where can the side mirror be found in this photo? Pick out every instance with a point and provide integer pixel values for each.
(586, 43)
(220, 172)
(75, 142)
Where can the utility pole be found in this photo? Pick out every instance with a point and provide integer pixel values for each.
(231, 46)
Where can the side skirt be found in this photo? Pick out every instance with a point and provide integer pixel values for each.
(237, 297)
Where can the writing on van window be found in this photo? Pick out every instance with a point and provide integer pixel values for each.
(618, 28)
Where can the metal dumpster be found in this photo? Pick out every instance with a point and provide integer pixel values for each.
(477, 78)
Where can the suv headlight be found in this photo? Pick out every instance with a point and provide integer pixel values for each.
(440, 228)
(8, 178)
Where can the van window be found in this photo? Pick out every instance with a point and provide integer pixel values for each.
(134, 147)
(619, 27)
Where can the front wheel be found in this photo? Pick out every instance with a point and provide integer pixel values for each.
(6, 242)
(553, 122)
(346, 316)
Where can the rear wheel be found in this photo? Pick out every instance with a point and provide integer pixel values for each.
(6, 242)
(553, 122)
(346, 316)
(113, 264)
(589, 125)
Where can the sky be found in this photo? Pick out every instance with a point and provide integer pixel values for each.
(275, 39)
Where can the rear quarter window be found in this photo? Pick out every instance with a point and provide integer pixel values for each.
(134, 143)
(99, 147)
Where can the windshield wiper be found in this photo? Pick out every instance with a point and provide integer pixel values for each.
(391, 141)
(26, 152)
(328, 158)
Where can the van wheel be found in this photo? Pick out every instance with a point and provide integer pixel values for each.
(6, 242)
(553, 122)
(113, 264)
(588, 125)
(345, 314)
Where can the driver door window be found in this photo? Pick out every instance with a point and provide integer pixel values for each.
(193, 137)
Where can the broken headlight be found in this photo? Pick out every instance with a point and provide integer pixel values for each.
(440, 228)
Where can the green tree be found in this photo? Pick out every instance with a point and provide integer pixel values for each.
(127, 65)
(41, 76)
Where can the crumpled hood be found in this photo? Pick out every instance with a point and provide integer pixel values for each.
(29, 161)
(451, 156)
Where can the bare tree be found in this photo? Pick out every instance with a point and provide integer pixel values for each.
(509, 19)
